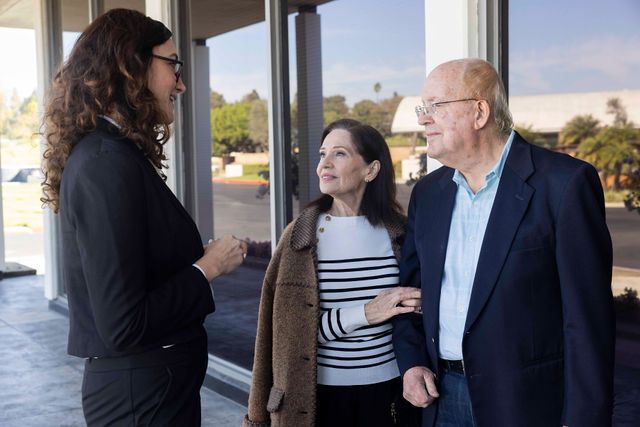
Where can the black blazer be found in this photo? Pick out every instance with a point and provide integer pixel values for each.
(539, 335)
(128, 249)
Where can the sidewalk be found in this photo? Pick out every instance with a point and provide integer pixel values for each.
(39, 383)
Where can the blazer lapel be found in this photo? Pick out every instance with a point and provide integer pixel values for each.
(175, 202)
(509, 207)
(437, 220)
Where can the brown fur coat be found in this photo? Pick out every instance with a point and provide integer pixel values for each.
(283, 389)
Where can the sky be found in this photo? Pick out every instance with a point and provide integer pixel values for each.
(561, 46)
(363, 42)
(555, 46)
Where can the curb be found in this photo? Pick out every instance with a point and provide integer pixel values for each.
(238, 181)
(628, 270)
(255, 262)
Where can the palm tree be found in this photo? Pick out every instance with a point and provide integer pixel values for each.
(376, 88)
(530, 135)
(578, 129)
(612, 151)
(619, 112)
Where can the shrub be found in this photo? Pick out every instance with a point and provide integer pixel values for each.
(627, 302)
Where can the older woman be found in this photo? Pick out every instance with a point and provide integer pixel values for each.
(135, 272)
(323, 352)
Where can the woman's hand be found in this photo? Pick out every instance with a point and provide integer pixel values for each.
(222, 256)
(392, 302)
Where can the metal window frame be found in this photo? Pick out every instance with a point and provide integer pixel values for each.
(48, 26)
(279, 118)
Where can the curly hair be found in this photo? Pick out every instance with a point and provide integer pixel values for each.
(105, 74)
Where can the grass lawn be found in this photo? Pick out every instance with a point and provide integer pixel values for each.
(397, 169)
(398, 141)
(21, 205)
(615, 196)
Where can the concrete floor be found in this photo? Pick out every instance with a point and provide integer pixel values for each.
(39, 383)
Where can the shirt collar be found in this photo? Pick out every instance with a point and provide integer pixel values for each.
(110, 120)
(113, 122)
(496, 170)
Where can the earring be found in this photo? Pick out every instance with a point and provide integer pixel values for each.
(366, 180)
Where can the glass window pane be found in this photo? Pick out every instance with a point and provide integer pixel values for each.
(573, 83)
(366, 72)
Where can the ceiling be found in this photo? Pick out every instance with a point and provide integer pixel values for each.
(209, 18)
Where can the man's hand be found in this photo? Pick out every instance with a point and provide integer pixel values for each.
(419, 386)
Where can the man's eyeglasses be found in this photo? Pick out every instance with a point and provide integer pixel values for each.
(432, 109)
(177, 65)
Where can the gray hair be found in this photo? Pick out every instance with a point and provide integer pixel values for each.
(482, 79)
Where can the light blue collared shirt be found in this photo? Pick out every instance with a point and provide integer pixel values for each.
(468, 224)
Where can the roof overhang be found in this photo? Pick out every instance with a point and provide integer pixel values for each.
(405, 120)
(209, 18)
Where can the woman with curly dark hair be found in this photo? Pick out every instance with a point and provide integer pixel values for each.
(135, 271)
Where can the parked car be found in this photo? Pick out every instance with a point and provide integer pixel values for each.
(21, 174)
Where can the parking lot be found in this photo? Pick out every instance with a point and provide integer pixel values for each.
(238, 211)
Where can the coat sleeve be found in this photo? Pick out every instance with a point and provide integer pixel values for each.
(109, 211)
(408, 332)
(262, 372)
(584, 259)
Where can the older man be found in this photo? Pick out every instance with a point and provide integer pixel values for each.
(509, 244)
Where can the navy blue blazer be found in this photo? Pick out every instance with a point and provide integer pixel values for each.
(539, 336)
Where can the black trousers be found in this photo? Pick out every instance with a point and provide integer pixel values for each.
(157, 388)
(371, 405)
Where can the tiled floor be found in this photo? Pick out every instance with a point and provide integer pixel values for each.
(39, 383)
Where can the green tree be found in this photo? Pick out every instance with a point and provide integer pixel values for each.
(259, 125)
(25, 124)
(527, 132)
(217, 100)
(612, 151)
(632, 201)
(251, 96)
(334, 107)
(9, 111)
(294, 113)
(369, 112)
(230, 128)
(578, 129)
(377, 114)
(389, 107)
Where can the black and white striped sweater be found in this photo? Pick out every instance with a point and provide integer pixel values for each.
(355, 263)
